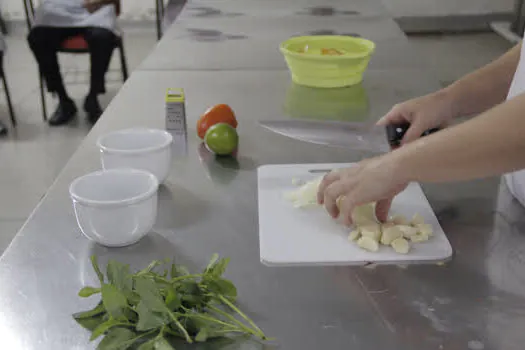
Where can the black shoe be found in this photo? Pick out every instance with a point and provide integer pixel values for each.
(3, 129)
(92, 108)
(64, 113)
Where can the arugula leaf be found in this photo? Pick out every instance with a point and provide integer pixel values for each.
(90, 323)
(97, 310)
(163, 344)
(213, 261)
(92, 318)
(118, 339)
(217, 267)
(106, 326)
(222, 286)
(149, 319)
(149, 294)
(94, 263)
(119, 275)
(157, 343)
(149, 345)
(172, 299)
(114, 301)
(88, 291)
(178, 271)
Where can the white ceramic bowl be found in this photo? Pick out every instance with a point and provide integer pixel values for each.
(115, 207)
(145, 149)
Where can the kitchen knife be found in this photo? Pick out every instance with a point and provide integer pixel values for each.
(356, 136)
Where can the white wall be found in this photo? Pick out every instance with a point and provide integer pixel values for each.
(131, 9)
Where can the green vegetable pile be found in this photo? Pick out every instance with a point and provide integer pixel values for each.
(147, 309)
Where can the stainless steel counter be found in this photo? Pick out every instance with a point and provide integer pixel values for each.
(207, 205)
(283, 9)
(241, 43)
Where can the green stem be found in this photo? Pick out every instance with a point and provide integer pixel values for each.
(236, 309)
(173, 333)
(211, 319)
(181, 327)
(233, 319)
(185, 277)
(145, 334)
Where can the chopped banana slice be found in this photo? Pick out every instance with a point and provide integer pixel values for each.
(306, 195)
(424, 229)
(368, 243)
(390, 234)
(419, 238)
(408, 231)
(401, 246)
(354, 235)
(372, 230)
(386, 225)
(399, 220)
(417, 219)
(364, 215)
(339, 202)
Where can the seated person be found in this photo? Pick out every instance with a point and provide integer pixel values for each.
(57, 20)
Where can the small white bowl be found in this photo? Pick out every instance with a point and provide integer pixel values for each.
(115, 207)
(144, 149)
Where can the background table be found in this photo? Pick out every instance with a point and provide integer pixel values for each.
(245, 43)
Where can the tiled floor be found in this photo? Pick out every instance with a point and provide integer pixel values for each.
(31, 157)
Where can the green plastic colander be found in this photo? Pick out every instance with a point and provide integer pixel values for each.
(310, 68)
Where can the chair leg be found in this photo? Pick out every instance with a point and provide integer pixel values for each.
(123, 62)
(8, 98)
(158, 8)
(43, 98)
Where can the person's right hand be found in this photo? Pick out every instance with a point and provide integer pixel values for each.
(423, 113)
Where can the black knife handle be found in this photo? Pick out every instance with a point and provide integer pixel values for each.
(396, 132)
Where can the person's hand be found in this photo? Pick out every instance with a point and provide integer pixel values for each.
(423, 113)
(92, 5)
(373, 180)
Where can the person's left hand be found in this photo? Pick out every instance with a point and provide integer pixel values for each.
(93, 5)
(372, 180)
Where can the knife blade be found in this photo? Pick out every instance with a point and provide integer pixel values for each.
(356, 136)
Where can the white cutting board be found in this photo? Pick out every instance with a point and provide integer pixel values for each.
(309, 236)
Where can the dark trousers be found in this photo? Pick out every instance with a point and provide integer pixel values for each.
(45, 42)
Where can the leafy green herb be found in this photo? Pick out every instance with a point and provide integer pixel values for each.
(144, 310)
(114, 301)
(118, 339)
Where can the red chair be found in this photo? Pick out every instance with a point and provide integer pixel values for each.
(74, 45)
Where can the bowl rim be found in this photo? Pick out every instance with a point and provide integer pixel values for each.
(166, 143)
(369, 43)
(152, 190)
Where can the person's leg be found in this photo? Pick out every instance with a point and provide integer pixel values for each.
(45, 42)
(3, 127)
(101, 43)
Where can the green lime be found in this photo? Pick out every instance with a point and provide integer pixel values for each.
(221, 139)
